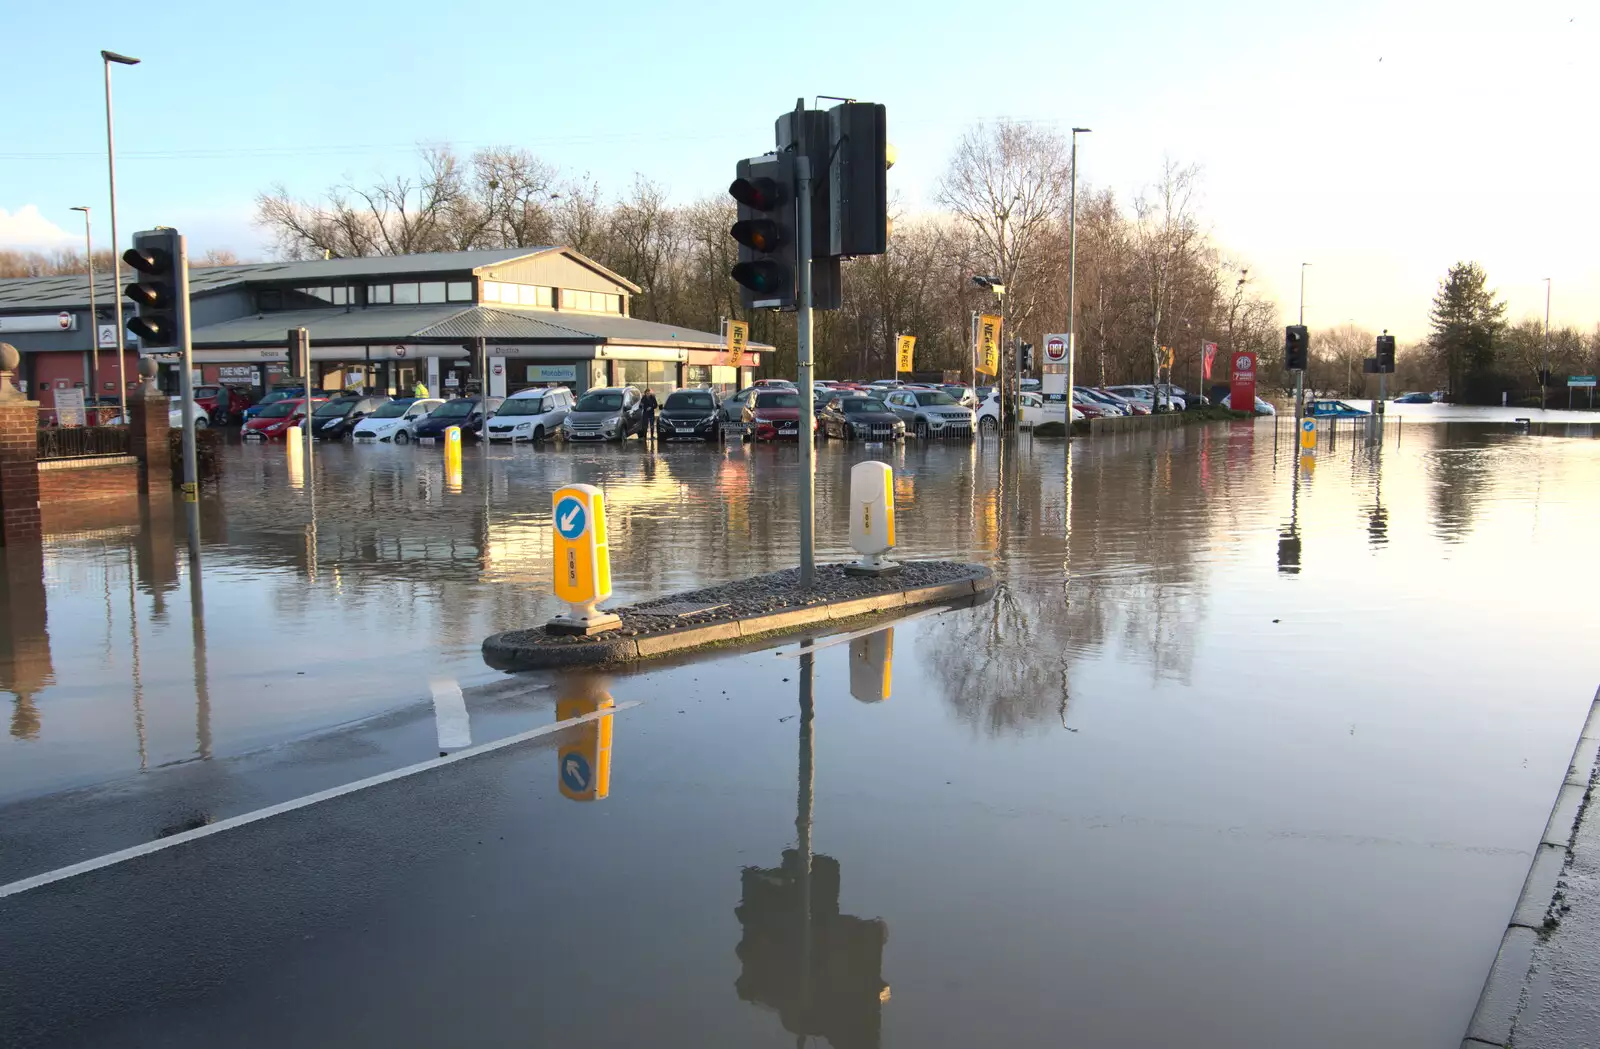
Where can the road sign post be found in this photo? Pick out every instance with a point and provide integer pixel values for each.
(582, 561)
(872, 518)
(1053, 379)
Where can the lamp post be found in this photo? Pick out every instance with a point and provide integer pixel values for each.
(1300, 376)
(996, 285)
(107, 58)
(94, 319)
(1072, 283)
(1544, 373)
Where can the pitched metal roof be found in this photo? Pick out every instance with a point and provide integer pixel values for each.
(450, 323)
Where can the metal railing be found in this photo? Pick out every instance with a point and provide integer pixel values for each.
(95, 415)
(76, 442)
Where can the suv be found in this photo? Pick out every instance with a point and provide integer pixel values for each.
(531, 415)
(224, 404)
(931, 413)
(606, 413)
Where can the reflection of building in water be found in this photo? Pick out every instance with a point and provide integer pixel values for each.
(25, 666)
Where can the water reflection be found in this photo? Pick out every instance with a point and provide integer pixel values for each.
(25, 665)
(583, 760)
(818, 969)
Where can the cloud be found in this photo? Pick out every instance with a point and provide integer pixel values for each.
(26, 229)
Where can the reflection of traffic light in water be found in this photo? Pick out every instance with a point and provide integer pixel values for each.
(583, 761)
(820, 970)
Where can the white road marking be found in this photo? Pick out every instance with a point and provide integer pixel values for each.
(450, 714)
(112, 858)
(786, 653)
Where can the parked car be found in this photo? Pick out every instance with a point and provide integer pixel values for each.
(174, 415)
(1033, 409)
(688, 415)
(531, 415)
(860, 418)
(273, 396)
(608, 413)
(963, 394)
(273, 421)
(771, 414)
(224, 404)
(395, 421)
(782, 383)
(465, 412)
(1414, 398)
(931, 413)
(732, 406)
(1106, 396)
(335, 420)
(1146, 395)
(1091, 408)
(1265, 407)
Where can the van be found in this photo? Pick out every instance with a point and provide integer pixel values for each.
(531, 415)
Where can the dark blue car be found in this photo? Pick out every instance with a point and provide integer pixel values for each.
(465, 412)
(274, 395)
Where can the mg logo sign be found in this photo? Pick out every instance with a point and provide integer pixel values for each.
(1244, 362)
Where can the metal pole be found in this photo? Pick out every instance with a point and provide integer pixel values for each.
(1544, 374)
(972, 346)
(116, 259)
(1072, 290)
(94, 319)
(802, 317)
(191, 478)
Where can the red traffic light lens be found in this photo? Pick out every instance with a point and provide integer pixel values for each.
(763, 235)
(763, 194)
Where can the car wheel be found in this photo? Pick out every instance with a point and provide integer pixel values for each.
(200, 422)
(538, 435)
(402, 437)
(922, 429)
(988, 424)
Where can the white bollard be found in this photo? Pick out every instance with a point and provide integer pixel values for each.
(872, 518)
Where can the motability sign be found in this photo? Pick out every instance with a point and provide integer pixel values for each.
(1242, 390)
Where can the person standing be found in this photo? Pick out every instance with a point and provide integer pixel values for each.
(419, 391)
(649, 404)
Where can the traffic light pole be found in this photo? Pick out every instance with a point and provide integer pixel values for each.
(191, 470)
(802, 319)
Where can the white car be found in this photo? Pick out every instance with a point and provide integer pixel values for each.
(1146, 395)
(531, 415)
(1033, 410)
(175, 415)
(1262, 407)
(395, 422)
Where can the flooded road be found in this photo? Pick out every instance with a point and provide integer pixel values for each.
(1249, 754)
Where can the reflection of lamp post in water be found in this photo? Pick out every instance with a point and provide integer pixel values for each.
(819, 969)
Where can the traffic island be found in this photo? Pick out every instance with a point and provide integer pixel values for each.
(771, 604)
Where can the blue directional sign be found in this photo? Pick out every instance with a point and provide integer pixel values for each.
(571, 518)
(575, 773)
(1308, 425)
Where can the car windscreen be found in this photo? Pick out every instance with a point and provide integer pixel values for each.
(392, 410)
(280, 410)
(453, 410)
(522, 406)
(600, 402)
(933, 397)
(777, 400)
(335, 410)
(202, 393)
(862, 405)
(275, 396)
(690, 402)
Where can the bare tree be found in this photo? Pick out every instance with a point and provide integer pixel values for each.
(1166, 236)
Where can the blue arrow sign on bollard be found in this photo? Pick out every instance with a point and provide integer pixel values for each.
(571, 520)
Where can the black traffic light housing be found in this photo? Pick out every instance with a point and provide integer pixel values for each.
(858, 179)
(1027, 356)
(1386, 354)
(768, 247)
(1296, 348)
(157, 256)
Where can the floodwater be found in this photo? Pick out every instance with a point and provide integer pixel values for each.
(1254, 753)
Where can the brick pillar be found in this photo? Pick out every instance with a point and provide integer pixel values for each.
(147, 416)
(19, 472)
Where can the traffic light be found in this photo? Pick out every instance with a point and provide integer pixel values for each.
(1386, 353)
(162, 289)
(1296, 348)
(858, 182)
(804, 132)
(1027, 356)
(768, 247)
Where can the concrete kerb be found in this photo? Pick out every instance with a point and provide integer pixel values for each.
(1502, 994)
(516, 651)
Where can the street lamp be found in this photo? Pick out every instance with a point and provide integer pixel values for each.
(996, 285)
(1072, 282)
(1544, 374)
(1303, 266)
(107, 58)
(94, 319)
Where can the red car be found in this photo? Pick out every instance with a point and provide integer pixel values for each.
(275, 419)
(223, 404)
(772, 413)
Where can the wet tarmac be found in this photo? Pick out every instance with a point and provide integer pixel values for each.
(1249, 755)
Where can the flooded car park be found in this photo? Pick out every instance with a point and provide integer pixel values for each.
(1201, 773)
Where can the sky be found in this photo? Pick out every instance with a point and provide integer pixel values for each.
(1378, 141)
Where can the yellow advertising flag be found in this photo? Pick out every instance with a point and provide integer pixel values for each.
(905, 345)
(1166, 357)
(738, 336)
(989, 344)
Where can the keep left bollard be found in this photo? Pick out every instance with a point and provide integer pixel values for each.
(582, 561)
(452, 460)
(872, 518)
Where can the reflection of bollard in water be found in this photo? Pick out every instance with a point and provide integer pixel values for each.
(583, 761)
(872, 666)
(452, 460)
(297, 457)
(872, 518)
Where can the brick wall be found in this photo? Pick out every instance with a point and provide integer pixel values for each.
(80, 480)
(19, 475)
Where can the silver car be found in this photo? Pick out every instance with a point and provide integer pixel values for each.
(610, 413)
(931, 413)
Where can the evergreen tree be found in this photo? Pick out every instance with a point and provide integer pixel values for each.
(1467, 320)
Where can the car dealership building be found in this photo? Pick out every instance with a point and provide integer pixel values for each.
(546, 315)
